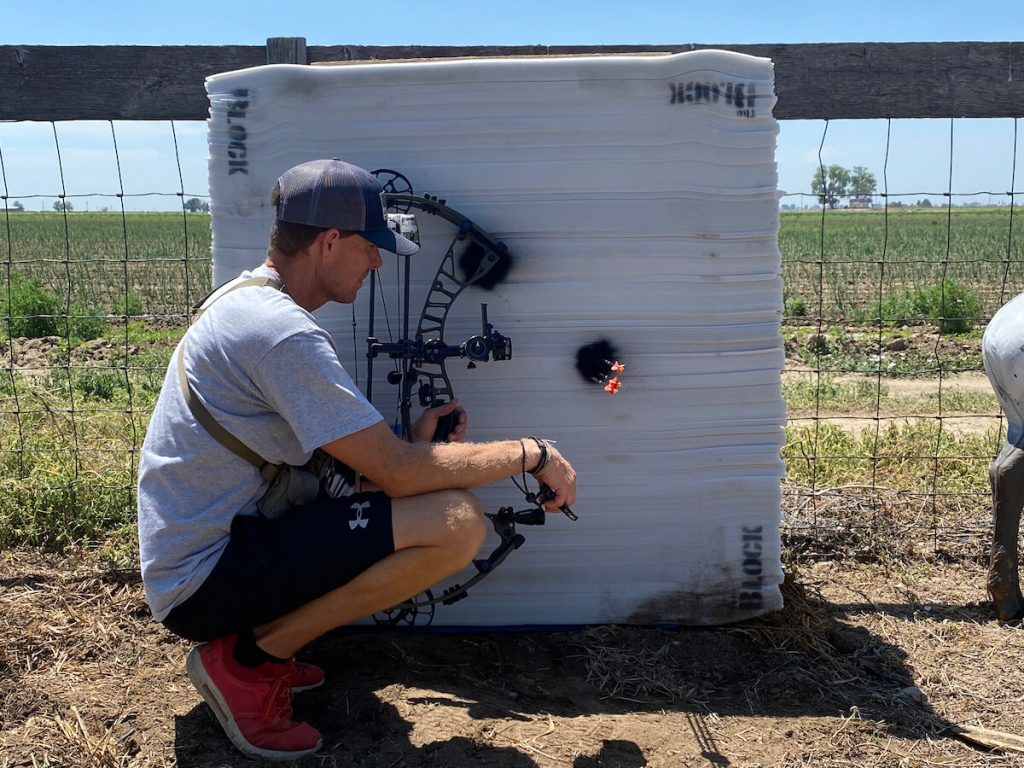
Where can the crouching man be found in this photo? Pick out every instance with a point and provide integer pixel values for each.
(255, 385)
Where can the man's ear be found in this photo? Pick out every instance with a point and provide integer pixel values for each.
(325, 241)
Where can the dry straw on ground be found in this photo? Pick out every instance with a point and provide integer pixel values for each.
(871, 663)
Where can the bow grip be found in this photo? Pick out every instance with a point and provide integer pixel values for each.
(445, 426)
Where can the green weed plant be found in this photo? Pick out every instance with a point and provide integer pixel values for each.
(31, 311)
(949, 305)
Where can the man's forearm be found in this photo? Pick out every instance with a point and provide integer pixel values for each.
(441, 466)
(408, 469)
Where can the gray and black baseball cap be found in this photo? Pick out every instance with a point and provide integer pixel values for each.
(339, 195)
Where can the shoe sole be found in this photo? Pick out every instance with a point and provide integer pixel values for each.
(301, 688)
(212, 696)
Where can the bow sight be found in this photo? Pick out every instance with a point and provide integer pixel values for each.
(489, 345)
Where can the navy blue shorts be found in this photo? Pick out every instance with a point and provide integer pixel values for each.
(271, 567)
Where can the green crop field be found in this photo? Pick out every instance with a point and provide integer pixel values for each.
(91, 305)
(846, 264)
(93, 260)
(836, 265)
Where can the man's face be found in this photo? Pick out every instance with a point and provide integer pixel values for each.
(350, 260)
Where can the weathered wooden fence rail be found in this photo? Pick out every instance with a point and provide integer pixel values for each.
(813, 81)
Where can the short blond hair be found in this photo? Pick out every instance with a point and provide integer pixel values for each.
(287, 237)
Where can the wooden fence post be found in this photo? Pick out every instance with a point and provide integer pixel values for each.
(286, 50)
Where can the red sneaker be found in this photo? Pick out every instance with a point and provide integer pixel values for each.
(254, 712)
(305, 677)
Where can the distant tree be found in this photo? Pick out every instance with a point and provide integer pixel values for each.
(924, 202)
(63, 205)
(195, 205)
(830, 184)
(862, 182)
(17, 206)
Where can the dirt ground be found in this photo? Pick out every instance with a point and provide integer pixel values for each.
(869, 664)
(884, 662)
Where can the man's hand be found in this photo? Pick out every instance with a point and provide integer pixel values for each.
(560, 477)
(425, 426)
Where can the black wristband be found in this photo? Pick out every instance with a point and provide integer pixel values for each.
(543, 460)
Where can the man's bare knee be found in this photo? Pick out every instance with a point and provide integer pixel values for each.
(453, 520)
(465, 522)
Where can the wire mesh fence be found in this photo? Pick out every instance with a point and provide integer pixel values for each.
(892, 423)
(92, 302)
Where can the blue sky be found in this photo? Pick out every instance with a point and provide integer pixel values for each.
(919, 156)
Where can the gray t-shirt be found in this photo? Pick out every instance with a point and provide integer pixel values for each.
(269, 375)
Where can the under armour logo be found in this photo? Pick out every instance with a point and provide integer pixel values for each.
(359, 521)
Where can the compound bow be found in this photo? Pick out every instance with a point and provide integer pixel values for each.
(420, 366)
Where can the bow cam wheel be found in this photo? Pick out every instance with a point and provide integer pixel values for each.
(416, 612)
(394, 183)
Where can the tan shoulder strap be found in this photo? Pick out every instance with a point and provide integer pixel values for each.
(232, 285)
(195, 404)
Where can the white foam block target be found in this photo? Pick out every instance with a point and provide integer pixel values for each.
(638, 198)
